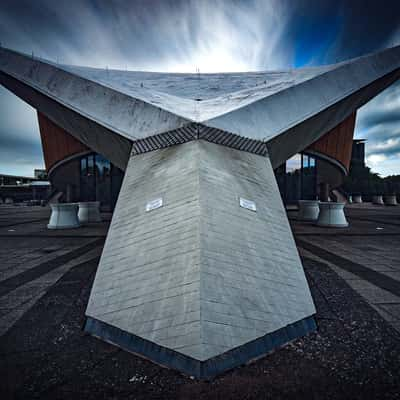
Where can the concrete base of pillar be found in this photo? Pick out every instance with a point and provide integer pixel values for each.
(63, 216)
(332, 215)
(390, 200)
(350, 199)
(357, 198)
(200, 271)
(377, 199)
(308, 210)
(8, 200)
(89, 211)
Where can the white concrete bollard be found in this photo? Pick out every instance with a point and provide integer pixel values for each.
(332, 215)
(63, 216)
(357, 198)
(89, 211)
(350, 199)
(377, 199)
(8, 200)
(391, 200)
(308, 210)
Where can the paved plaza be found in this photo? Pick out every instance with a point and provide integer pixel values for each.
(45, 281)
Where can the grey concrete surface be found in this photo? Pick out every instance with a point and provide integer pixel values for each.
(45, 354)
(200, 275)
(288, 110)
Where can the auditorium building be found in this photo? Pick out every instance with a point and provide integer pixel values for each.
(200, 271)
(83, 175)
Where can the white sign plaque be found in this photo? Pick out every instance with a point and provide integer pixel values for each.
(250, 205)
(154, 204)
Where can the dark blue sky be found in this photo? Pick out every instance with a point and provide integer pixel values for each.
(212, 35)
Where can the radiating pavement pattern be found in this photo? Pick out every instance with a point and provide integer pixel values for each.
(44, 354)
(366, 256)
(31, 261)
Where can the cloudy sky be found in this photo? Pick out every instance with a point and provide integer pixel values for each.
(212, 35)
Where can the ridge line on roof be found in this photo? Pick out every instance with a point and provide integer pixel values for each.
(81, 111)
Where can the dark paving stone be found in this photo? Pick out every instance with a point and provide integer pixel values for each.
(355, 354)
(10, 284)
(378, 279)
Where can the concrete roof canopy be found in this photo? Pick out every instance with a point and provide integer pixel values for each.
(210, 278)
(262, 106)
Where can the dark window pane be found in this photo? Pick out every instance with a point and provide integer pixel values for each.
(293, 163)
(88, 184)
(103, 181)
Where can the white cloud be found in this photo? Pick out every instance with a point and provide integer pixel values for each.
(375, 159)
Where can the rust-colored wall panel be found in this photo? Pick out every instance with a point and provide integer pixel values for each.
(337, 143)
(57, 143)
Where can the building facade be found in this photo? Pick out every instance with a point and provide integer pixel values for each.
(83, 175)
(200, 270)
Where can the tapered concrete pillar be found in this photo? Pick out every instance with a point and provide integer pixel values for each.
(377, 199)
(332, 215)
(200, 271)
(89, 211)
(308, 210)
(390, 200)
(63, 216)
(69, 193)
(324, 191)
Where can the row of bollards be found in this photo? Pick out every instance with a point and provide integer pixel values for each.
(388, 200)
(73, 215)
(327, 214)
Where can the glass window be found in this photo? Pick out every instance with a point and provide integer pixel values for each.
(306, 160)
(297, 178)
(87, 179)
(90, 165)
(309, 178)
(99, 180)
(83, 166)
(294, 163)
(103, 181)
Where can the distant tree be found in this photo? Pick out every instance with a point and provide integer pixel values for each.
(361, 180)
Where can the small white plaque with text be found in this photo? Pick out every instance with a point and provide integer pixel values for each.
(154, 204)
(250, 205)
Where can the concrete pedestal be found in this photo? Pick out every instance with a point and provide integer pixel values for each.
(8, 200)
(89, 212)
(200, 271)
(391, 200)
(377, 199)
(332, 215)
(357, 198)
(63, 216)
(350, 199)
(308, 210)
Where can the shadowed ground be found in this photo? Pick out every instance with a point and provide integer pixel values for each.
(45, 280)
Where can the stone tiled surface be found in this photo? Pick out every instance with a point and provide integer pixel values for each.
(200, 275)
(375, 249)
(26, 245)
(354, 354)
(252, 279)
